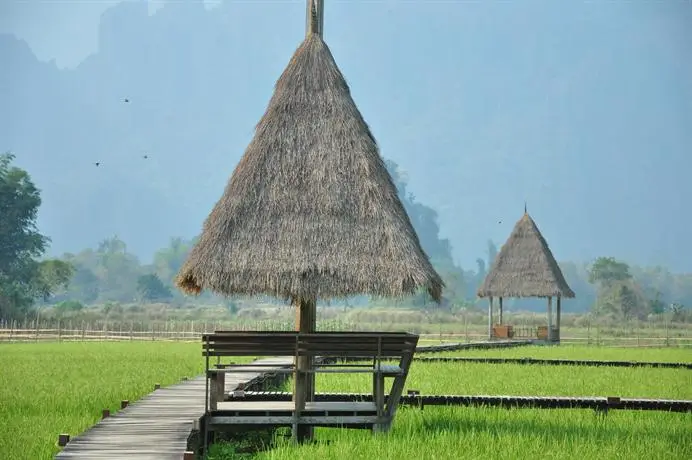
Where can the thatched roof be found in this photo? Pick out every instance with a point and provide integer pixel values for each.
(525, 267)
(310, 210)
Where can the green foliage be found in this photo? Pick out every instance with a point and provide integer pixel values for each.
(69, 306)
(150, 288)
(52, 275)
(22, 278)
(439, 250)
(607, 270)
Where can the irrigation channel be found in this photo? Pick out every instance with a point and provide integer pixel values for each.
(160, 425)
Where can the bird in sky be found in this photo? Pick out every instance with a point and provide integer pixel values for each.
(97, 163)
(126, 100)
(145, 156)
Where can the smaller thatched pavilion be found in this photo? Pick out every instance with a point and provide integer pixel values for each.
(525, 267)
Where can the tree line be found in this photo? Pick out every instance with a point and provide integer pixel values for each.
(109, 273)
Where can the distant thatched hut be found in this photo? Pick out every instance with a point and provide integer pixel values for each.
(310, 211)
(525, 267)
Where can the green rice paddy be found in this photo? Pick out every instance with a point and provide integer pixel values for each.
(52, 388)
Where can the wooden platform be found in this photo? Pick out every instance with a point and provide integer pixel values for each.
(157, 426)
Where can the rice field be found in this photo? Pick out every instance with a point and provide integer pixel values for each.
(50, 388)
(472, 433)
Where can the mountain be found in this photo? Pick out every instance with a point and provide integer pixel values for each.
(583, 112)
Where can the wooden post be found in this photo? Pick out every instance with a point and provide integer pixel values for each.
(217, 389)
(500, 312)
(550, 319)
(188, 455)
(304, 383)
(63, 439)
(105, 413)
(557, 318)
(490, 318)
(124, 403)
(157, 386)
(314, 23)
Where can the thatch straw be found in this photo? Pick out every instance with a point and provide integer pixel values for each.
(525, 267)
(310, 211)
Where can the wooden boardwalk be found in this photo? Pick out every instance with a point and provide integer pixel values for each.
(157, 426)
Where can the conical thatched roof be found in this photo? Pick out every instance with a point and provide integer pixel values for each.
(525, 267)
(310, 211)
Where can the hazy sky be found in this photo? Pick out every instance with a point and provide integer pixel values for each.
(583, 109)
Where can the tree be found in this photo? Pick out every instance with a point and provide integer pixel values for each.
(151, 288)
(492, 253)
(607, 270)
(167, 261)
(22, 277)
(117, 270)
(50, 276)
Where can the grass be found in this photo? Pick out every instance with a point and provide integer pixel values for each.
(474, 433)
(477, 433)
(52, 388)
(528, 380)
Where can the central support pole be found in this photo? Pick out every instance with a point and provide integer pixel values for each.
(304, 383)
(501, 321)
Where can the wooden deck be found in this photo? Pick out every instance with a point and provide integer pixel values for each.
(157, 426)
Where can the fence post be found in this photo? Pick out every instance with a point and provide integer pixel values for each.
(132, 325)
(667, 335)
(59, 330)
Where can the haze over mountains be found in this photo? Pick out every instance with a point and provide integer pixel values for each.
(583, 110)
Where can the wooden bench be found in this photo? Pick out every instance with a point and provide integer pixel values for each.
(330, 350)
